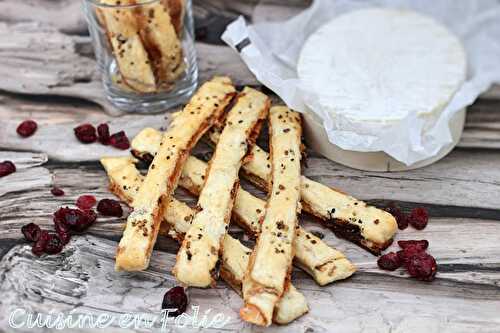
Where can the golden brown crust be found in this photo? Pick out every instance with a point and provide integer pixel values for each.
(199, 253)
(322, 262)
(271, 260)
(177, 220)
(161, 42)
(143, 223)
(333, 207)
(130, 54)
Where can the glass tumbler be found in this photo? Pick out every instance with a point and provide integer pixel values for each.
(145, 51)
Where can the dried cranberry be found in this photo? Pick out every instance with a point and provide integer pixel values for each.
(119, 140)
(6, 168)
(422, 244)
(85, 202)
(26, 128)
(56, 191)
(103, 134)
(408, 252)
(31, 232)
(110, 207)
(62, 229)
(86, 133)
(418, 218)
(422, 266)
(75, 219)
(389, 261)
(53, 245)
(38, 247)
(175, 298)
(401, 218)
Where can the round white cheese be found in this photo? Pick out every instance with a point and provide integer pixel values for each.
(381, 65)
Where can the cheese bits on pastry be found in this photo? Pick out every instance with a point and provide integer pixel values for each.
(199, 253)
(139, 236)
(125, 180)
(271, 260)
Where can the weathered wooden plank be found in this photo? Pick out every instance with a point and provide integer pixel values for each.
(52, 63)
(29, 175)
(82, 279)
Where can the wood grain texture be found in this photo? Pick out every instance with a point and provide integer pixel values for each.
(48, 74)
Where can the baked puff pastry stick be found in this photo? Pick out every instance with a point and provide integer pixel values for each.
(124, 182)
(199, 253)
(204, 109)
(271, 260)
(348, 217)
(160, 39)
(322, 262)
(131, 56)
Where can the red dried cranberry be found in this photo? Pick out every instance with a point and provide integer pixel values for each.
(86, 133)
(401, 218)
(418, 218)
(26, 128)
(177, 299)
(85, 202)
(389, 261)
(422, 244)
(422, 266)
(31, 232)
(56, 191)
(408, 252)
(53, 245)
(75, 219)
(62, 229)
(119, 140)
(110, 207)
(6, 168)
(38, 247)
(103, 134)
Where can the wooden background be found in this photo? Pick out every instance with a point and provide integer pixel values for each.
(48, 74)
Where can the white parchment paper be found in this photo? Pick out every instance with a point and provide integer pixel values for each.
(271, 51)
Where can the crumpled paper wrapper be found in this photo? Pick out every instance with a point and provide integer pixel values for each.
(271, 51)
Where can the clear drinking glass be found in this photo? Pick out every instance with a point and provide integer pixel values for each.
(145, 51)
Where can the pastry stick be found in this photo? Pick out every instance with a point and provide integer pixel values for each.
(124, 182)
(130, 54)
(176, 9)
(319, 260)
(348, 217)
(139, 236)
(199, 252)
(268, 272)
(161, 42)
(314, 256)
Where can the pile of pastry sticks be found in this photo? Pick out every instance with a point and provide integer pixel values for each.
(261, 275)
(145, 38)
